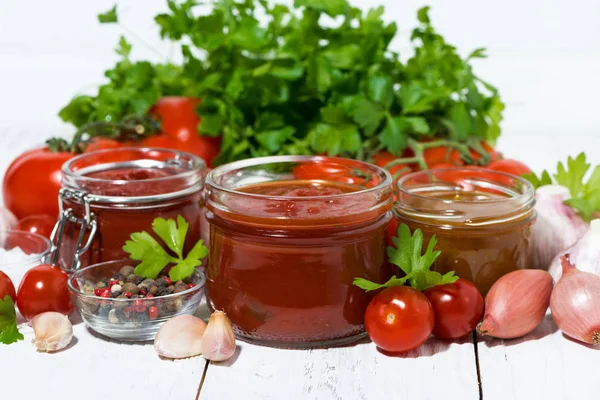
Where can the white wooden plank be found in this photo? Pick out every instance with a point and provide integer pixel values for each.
(542, 365)
(96, 369)
(437, 370)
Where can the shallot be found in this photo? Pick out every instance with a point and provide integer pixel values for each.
(218, 342)
(53, 331)
(516, 304)
(180, 337)
(557, 226)
(585, 253)
(575, 303)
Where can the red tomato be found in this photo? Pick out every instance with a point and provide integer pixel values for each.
(384, 158)
(442, 166)
(509, 166)
(32, 182)
(442, 154)
(44, 288)
(341, 170)
(179, 120)
(100, 143)
(6, 287)
(399, 319)
(458, 308)
(494, 155)
(40, 224)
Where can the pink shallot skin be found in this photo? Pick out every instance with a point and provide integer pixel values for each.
(575, 303)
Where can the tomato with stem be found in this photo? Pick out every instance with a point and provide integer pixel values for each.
(509, 166)
(179, 124)
(399, 319)
(383, 159)
(457, 307)
(44, 288)
(32, 182)
(40, 224)
(6, 287)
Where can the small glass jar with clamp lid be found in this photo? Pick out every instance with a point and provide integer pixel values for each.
(107, 195)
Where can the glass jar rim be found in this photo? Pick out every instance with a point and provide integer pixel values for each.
(528, 193)
(196, 164)
(211, 179)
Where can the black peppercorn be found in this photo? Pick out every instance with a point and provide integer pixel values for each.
(118, 276)
(161, 282)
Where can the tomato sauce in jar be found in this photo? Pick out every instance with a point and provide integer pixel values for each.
(284, 250)
(108, 195)
(481, 219)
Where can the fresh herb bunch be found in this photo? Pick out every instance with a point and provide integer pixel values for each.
(406, 255)
(585, 195)
(303, 83)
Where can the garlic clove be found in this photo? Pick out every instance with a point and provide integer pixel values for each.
(180, 337)
(575, 303)
(218, 342)
(53, 331)
(557, 225)
(585, 253)
(516, 304)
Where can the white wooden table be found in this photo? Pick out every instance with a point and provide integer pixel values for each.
(543, 365)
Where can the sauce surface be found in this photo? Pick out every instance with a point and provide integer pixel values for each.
(289, 282)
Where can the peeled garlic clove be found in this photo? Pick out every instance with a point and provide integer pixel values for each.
(53, 331)
(585, 253)
(180, 337)
(557, 225)
(218, 342)
(516, 304)
(575, 303)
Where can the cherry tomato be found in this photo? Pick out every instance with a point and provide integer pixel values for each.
(457, 307)
(179, 120)
(399, 319)
(494, 155)
(442, 166)
(40, 224)
(384, 158)
(442, 154)
(341, 170)
(6, 287)
(100, 143)
(44, 288)
(32, 182)
(509, 166)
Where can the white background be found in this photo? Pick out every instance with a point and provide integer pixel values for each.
(544, 55)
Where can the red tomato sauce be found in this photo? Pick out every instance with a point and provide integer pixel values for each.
(283, 256)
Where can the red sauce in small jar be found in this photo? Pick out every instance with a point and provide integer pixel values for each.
(284, 252)
(126, 189)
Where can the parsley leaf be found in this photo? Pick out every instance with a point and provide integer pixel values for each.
(407, 256)
(585, 196)
(109, 17)
(9, 333)
(154, 258)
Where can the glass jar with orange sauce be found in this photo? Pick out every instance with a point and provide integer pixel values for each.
(481, 219)
(288, 235)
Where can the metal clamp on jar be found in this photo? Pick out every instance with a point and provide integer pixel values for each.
(110, 194)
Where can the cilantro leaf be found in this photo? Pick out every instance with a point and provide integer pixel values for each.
(543, 180)
(572, 175)
(407, 256)
(154, 258)
(109, 17)
(9, 333)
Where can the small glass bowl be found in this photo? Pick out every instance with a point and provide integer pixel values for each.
(36, 249)
(128, 319)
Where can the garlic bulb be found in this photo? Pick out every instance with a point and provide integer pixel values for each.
(180, 337)
(53, 331)
(585, 253)
(557, 226)
(218, 342)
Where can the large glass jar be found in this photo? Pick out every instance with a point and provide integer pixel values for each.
(481, 219)
(108, 195)
(288, 235)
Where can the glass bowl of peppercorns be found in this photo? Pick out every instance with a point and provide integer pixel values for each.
(121, 305)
